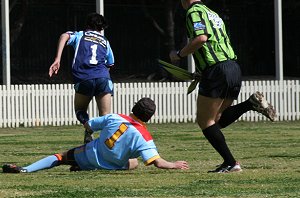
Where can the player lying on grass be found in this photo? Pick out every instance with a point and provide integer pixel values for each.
(122, 139)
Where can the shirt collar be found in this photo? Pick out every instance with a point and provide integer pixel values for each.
(138, 120)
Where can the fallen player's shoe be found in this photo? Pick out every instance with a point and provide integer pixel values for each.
(12, 168)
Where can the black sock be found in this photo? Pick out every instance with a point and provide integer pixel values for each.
(82, 116)
(233, 113)
(216, 138)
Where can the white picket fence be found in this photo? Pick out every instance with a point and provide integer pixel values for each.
(41, 105)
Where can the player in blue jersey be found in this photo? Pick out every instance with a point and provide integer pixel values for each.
(92, 61)
(122, 139)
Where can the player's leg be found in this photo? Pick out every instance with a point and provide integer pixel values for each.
(103, 94)
(225, 105)
(215, 95)
(104, 103)
(45, 163)
(256, 102)
(83, 96)
(207, 111)
(80, 158)
(69, 158)
(81, 103)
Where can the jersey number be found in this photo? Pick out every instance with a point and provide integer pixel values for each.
(93, 60)
(110, 142)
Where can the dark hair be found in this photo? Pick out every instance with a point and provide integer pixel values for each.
(95, 21)
(144, 109)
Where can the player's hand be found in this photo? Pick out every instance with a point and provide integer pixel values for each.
(181, 165)
(173, 56)
(54, 67)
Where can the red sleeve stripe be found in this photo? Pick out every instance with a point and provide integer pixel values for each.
(143, 131)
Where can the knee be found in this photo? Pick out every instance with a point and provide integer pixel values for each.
(60, 159)
(82, 116)
(64, 158)
(204, 123)
(218, 117)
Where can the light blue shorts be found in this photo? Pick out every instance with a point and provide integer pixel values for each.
(81, 158)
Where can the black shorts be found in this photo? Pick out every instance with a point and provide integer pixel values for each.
(222, 80)
(71, 158)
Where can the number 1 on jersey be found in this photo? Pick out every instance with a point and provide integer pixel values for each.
(93, 60)
(110, 142)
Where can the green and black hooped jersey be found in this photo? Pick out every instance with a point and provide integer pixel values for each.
(201, 20)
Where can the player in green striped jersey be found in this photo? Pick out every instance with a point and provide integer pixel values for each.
(221, 79)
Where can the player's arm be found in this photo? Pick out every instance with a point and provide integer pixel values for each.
(150, 156)
(193, 45)
(197, 19)
(61, 44)
(95, 124)
(161, 163)
(190, 48)
(110, 60)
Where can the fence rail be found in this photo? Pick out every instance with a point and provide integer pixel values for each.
(41, 105)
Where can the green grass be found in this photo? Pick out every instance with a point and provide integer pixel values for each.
(269, 154)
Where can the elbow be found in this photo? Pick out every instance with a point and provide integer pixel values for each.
(158, 165)
(200, 40)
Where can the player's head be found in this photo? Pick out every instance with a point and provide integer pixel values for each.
(183, 3)
(144, 109)
(95, 21)
(186, 3)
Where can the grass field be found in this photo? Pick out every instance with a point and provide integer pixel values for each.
(269, 154)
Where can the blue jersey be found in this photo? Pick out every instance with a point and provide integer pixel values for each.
(93, 55)
(121, 138)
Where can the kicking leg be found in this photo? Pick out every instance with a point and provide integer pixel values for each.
(256, 102)
(231, 113)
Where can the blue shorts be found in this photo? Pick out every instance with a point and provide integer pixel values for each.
(81, 158)
(94, 87)
(222, 80)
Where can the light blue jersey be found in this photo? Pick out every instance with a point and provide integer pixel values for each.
(121, 138)
(93, 55)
